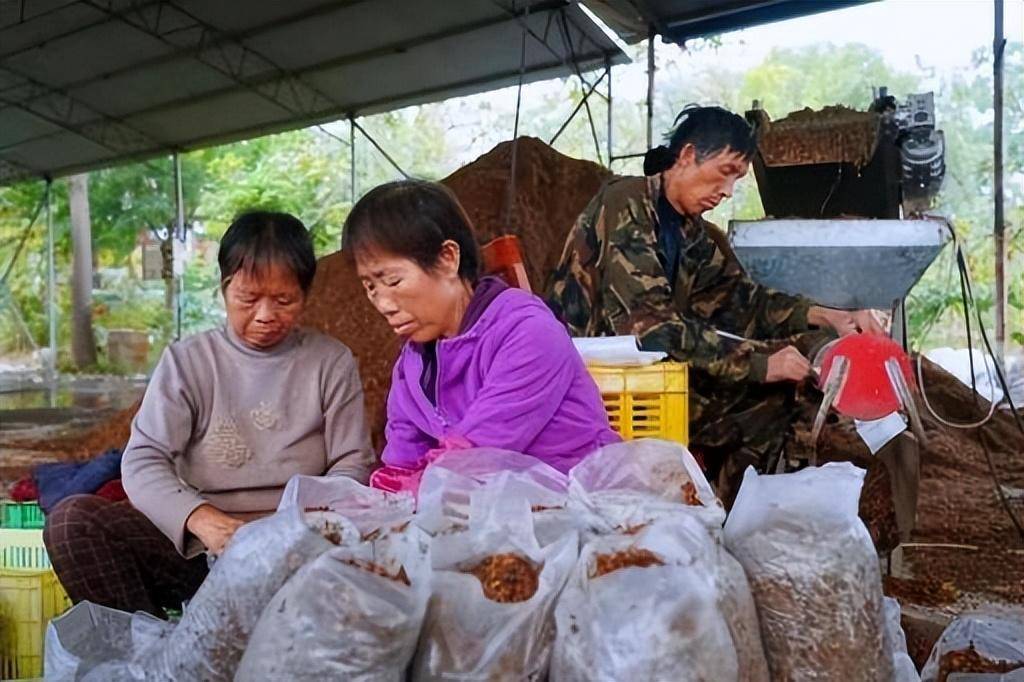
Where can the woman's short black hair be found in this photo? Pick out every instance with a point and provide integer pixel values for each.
(257, 239)
(412, 219)
(711, 131)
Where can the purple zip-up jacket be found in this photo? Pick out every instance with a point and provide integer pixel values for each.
(512, 381)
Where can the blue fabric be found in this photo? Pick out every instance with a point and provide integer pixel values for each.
(63, 479)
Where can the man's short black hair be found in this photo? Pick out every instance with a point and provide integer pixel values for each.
(412, 219)
(257, 239)
(711, 130)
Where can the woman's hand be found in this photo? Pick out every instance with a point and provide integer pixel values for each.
(213, 527)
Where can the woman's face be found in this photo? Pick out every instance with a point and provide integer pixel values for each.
(420, 305)
(263, 306)
(693, 187)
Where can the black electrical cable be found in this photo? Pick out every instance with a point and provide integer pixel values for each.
(962, 263)
(967, 292)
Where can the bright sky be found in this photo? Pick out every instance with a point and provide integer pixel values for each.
(941, 33)
(911, 34)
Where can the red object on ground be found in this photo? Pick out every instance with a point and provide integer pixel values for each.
(504, 258)
(113, 491)
(25, 490)
(868, 392)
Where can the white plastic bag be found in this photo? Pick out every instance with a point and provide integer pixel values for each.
(89, 634)
(994, 634)
(736, 604)
(813, 572)
(340, 618)
(367, 508)
(449, 481)
(467, 634)
(214, 630)
(627, 484)
(903, 666)
(654, 618)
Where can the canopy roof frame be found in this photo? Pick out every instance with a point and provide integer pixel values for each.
(295, 94)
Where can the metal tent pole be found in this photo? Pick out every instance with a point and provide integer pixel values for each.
(352, 157)
(179, 233)
(998, 47)
(51, 290)
(650, 87)
(608, 72)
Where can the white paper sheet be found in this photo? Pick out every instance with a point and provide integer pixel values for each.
(877, 432)
(616, 351)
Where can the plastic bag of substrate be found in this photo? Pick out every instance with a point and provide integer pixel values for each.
(813, 572)
(89, 634)
(989, 640)
(644, 606)
(903, 666)
(367, 509)
(627, 484)
(208, 642)
(493, 592)
(448, 482)
(354, 613)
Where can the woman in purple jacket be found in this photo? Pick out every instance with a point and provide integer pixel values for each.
(485, 365)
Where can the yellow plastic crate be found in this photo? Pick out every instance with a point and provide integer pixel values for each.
(646, 402)
(29, 598)
(30, 595)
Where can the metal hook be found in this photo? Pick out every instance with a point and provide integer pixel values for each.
(833, 387)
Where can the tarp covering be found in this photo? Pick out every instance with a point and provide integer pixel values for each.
(90, 83)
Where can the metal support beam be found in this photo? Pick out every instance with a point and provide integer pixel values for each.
(51, 289)
(608, 73)
(179, 234)
(379, 149)
(998, 48)
(650, 87)
(586, 100)
(579, 106)
(135, 6)
(352, 158)
(12, 171)
(229, 57)
(521, 19)
(57, 108)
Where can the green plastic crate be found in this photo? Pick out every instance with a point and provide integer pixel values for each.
(23, 515)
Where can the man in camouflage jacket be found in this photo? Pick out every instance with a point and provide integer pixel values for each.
(641, 261)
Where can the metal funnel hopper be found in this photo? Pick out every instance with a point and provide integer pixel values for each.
(843, 263)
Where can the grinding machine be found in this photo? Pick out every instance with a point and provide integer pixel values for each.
(846, 193)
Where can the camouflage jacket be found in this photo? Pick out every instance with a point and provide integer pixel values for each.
(613, 279)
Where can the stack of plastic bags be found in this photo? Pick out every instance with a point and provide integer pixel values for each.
(509, 569)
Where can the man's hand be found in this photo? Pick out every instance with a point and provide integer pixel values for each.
(213, 527)
(845, 323)
(788, 364)
(869, 322)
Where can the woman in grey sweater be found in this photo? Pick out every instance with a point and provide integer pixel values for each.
(228, 417)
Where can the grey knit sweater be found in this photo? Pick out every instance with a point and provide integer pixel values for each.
(227, 424)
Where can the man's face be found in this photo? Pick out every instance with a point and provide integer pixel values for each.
(693, 187)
